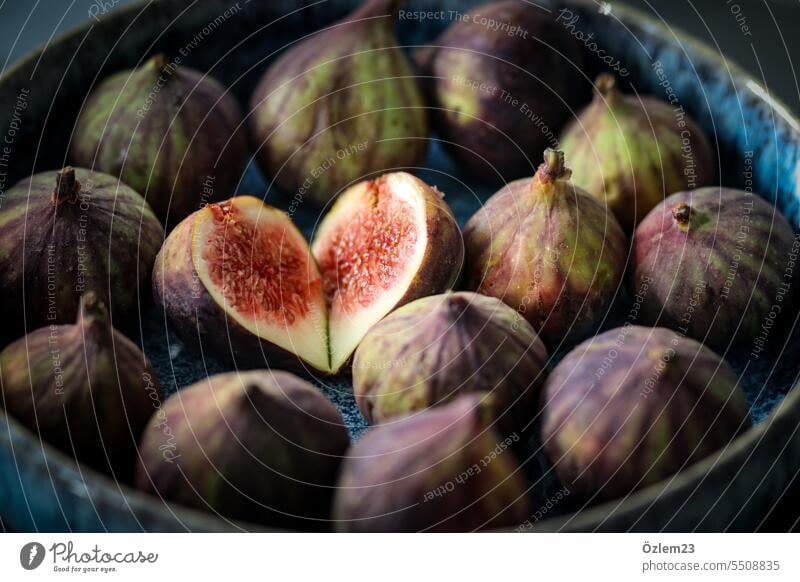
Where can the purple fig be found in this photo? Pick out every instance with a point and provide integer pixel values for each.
(170, 132)
(715, 264)
(261, 446)
(633, 151)
(432, 350)
(635, 405)
(68, 232)
(443, 469)
(500, 81)
(84, 388)
(549, 250)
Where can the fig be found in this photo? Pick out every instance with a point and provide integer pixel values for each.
(433, 349)
(500, 81)
(633, 151)
(168, 131)
(548, 249)
(69, 232)
(444, 469)
(384, 243)
(238, 277)
(338, 106)
(261, 446)
(714, 264)
(635, 405)
(84, 388)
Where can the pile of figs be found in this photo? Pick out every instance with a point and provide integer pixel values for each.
(609, 248)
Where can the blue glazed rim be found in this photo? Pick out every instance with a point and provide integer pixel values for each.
(770, 450)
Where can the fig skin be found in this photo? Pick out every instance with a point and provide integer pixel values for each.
(712, 264)
(629, 150)
(635, 405)
(487, 126)
(261, 446)
(84, 388)
(549, 250)
(432, 350)
(340, 105)
(439, 268)
(195, 315)
(88, 231)
(181, 146)
(398, 477)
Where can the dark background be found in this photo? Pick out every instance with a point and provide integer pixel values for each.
(768, 48)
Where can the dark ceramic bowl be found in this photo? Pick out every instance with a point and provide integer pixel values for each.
(42, 489)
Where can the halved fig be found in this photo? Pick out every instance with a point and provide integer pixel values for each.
(384, 243)
(237, 279)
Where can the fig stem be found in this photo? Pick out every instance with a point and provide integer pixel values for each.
(92, 310)
(682, 213)
(554, 165)
(162, 66)
(606, 86)
(67, 186)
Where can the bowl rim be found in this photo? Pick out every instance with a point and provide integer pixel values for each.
(785, 415)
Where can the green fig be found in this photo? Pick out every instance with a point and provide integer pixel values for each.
(170, 132)
(340, 105)
(550, 250)
(633, 151)
(84, 388)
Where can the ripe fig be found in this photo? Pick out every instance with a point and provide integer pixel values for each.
(548, 249)
(170, 132)
(715, 264)
(261, 446)
(68, 232)
(635, 405)
(634, 151)
(384, 243)
(435, 348)
(444, 469)
(340, 105)
(500, 81)
(84, 388)
(237, 278)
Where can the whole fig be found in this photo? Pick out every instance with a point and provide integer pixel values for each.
(170, 132)
(715, 264)
(501, 80)
(635, 405)
(432, 350)
(548, 249)
(84, 388)
(338, 106)
(443, 469)
(634, 151)
(261, 446)
(68, 232)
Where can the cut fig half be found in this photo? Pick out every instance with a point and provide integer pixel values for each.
(237, 278)
(384, 243)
